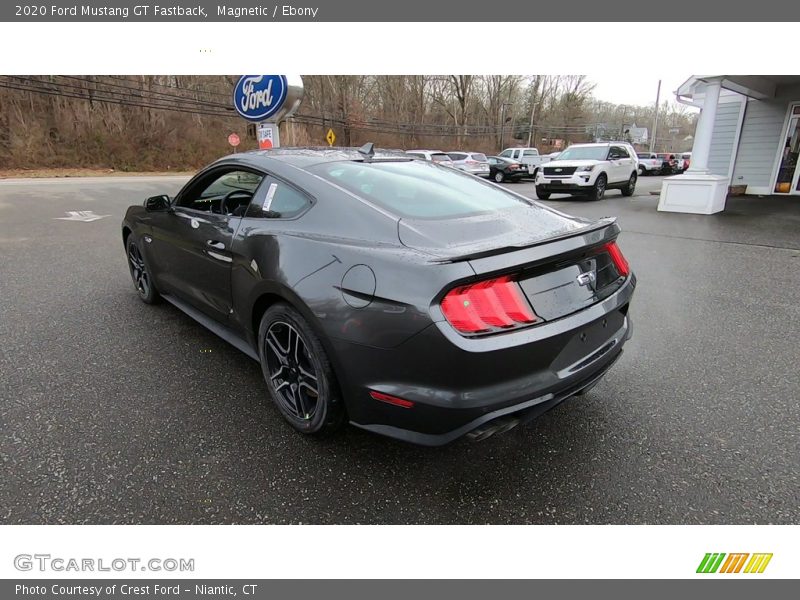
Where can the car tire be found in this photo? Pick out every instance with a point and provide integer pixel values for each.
(140, 274)
(499, 177)
(541, 194)
(298, 373)
(599, 188)
(630, 187)
(642, 171)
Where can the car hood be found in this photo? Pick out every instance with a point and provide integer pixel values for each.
(489, 233)
(573, 163)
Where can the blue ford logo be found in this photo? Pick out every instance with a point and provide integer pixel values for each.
(258, 97)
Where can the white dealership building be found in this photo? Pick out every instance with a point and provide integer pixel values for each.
(748, 134)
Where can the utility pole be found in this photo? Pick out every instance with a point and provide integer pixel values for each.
(655, 119)
(503, 123)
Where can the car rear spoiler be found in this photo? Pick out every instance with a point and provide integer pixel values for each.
(605, 229)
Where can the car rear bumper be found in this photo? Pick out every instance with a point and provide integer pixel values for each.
(461, 388)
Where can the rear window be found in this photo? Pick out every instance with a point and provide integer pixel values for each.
(418, 190)
(530, 153)
(643, 155)
(479, 157)
(457, 155)
(440, 157)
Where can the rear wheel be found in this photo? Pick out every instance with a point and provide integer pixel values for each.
(599, 188)
(499, 177)
(630, 187)
(642, 170)
(299, 376)
(541, 194)
(141, 276)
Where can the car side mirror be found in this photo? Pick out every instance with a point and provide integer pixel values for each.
(155, 203)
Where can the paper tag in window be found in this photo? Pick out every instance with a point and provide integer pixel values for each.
(270, 194)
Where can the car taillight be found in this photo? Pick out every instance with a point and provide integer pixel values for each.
(513, 166)
(619, 260)
(487, 305)
(389, 399)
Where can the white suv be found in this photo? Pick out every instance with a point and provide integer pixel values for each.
(589, 170)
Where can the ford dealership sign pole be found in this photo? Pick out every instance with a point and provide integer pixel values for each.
(267, 100)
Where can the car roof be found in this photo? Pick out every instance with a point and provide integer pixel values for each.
(306, 157)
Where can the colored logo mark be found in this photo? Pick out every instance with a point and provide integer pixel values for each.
(719, 562)
(258, 97)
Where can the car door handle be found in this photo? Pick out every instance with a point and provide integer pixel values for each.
(215, 244)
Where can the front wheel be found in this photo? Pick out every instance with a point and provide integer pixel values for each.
(141, 276)
(599, 188)
(299, 376)
(630, 187)
(499, 177)
(541, 194)
(642, 171)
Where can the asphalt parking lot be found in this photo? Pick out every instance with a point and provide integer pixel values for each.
(112, 411)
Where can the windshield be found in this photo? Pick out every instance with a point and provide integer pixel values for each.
(440, 157)
(584, 153)
(418, 190)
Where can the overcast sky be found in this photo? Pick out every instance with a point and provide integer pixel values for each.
(638, 89)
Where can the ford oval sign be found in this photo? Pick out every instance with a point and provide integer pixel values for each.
(260, 97)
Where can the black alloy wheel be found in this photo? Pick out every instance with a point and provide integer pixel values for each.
(599, 188)
(630, 187)
(298, 373)
(141, 277)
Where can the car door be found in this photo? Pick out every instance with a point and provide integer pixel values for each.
(627, 163)
(192, 242)
(615, 167)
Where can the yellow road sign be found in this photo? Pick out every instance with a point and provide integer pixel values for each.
(331, 137)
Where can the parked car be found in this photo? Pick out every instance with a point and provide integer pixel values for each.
(684, 160)
(527, 156)
(474, 163)
(504, 169)
(590, 170)
(436, 156)
(387, 292)
(650, 164)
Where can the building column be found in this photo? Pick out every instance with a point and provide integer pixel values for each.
(697, 190)
(701, 147)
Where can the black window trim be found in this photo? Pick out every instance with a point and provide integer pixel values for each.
(226, 167)
(281, 180)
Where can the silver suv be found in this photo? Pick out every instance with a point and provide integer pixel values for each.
(589, 170)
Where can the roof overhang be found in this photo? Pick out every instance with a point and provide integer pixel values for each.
(760, 87)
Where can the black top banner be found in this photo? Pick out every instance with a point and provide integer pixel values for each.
(405, 11)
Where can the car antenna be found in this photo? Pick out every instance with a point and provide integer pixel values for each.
(367, 150)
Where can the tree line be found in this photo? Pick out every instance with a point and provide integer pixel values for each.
(182, 122)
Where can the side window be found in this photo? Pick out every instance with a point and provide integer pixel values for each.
(615, 153)
(281, 201)
(235, 186)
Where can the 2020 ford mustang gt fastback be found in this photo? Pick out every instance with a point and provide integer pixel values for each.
(407, 298)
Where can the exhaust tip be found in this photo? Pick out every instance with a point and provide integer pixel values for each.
(487, 430)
